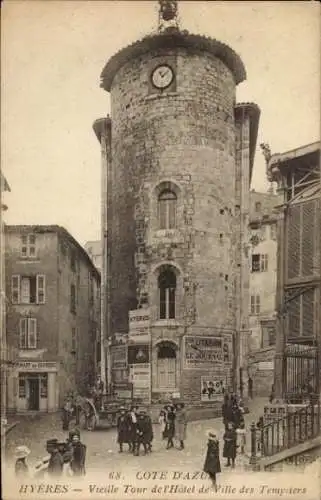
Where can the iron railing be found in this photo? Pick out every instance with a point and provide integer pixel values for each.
(295, 428)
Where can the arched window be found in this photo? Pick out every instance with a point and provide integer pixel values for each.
(167, 292)
(166, 365)
(167, 201)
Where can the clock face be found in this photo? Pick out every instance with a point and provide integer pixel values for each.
(162, 76)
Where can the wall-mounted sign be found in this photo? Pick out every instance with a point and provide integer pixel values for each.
(213, 388)
(203, 352)
(138, 354)
(36, 365)
(118, 357)
(139, 323)
(140, 377)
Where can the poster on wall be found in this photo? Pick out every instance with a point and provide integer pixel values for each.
(203, 352)
(139, 376)
(118, 357)
(213, 388)
(138, 354)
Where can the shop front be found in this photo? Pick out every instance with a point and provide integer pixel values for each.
(32, 387)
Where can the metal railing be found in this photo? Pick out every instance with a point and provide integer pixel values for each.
(295, 428)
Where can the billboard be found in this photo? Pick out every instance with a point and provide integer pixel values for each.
(118, 357)
(203, 352)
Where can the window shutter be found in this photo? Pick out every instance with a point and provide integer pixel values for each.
(32, 333)
(15, 289)
(23, 333)
(41, 289)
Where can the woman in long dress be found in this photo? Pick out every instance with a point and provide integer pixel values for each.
(180, 424)
(212, 465)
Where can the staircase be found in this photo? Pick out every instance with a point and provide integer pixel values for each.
(294, 439)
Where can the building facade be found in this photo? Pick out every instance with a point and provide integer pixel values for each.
(263, 279)
(178, 155)
(52, 317)
(6, 354)
(94, 250)
(298, 340)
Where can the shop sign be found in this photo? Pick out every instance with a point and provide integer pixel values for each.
(203, 352)
(118, 357)
(138, 354)
(36, 365)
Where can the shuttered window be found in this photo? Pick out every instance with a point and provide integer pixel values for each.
(303, 227)
(28, 333)
(302, 315)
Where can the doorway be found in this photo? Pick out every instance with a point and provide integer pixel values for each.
(33, 394)
(166, 366)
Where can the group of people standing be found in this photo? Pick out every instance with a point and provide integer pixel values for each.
(173, 420)
(134, 427)
(65, 457)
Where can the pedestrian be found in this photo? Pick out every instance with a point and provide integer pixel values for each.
(56, 461)
(122, 429)
(77, 463)
(78, 402)
(241, 432)
(212, 465)
(227, 410)
(162, 421)
(169, 432)
(237, 416)
(180, 424)
(21, 467)
(67, 414)
(144, 432)
(132, 427)
(272, 394)
(229, 450)
(250, 387)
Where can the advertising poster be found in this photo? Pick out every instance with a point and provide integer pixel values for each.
(142, 142)
(213, 389)
(203, 352)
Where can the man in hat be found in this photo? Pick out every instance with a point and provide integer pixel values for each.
(21, 468)
(144, 432)
(56, 461)
(122, 429)
(212, 465)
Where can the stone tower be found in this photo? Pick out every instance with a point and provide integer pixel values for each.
(179, 166)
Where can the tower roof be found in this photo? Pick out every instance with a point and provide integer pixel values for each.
(169, 40)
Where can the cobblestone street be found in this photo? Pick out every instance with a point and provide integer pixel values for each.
(102, 449)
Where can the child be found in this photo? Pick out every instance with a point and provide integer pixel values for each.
(77, 463)
(21, 468)
(56, 461)
(122, 429)
(241, 432)
(229, 450)
(212, 464)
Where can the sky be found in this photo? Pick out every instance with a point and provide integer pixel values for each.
(52, 54)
